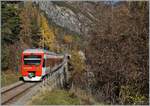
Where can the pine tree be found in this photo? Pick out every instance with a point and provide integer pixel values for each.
(10, 28)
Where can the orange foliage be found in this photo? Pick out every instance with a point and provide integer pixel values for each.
(68, 39)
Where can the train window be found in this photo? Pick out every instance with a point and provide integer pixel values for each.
(32, 59)
(44, 63)
(32, 62)
(32, 56)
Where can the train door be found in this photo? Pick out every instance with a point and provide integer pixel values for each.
(44, 67)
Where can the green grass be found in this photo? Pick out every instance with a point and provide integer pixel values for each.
(9, 77)
(55, 97)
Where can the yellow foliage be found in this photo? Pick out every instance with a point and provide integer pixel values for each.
(68, 39)
(130, 95)
(48, 36)
(77, 62)
(25, 26)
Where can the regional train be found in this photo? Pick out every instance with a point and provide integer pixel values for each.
(37, 63)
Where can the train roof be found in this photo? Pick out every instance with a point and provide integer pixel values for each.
(38, 51)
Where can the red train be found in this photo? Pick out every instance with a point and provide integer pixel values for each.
(36, 63)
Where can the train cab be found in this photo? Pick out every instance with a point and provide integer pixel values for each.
(37, 63)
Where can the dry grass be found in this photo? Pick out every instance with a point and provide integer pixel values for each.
(85, 97)
(54, 97)
(9, 77)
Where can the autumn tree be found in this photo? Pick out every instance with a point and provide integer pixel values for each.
(79, 67)
(68, 40)
(48, 37)
(30, 24)
(25, 17)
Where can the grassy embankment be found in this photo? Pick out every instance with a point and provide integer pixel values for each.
(55, 97)
(61, 97)
(9, 77)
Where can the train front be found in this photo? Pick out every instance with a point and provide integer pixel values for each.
(32, 66)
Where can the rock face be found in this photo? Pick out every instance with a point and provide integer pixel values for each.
(66, 15)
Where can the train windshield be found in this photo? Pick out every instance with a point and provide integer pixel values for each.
(32, 60)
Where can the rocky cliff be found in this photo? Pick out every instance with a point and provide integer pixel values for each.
(70, 15)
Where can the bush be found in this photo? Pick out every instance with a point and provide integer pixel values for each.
(5, 57)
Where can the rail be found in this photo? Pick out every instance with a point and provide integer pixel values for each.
(15, 91)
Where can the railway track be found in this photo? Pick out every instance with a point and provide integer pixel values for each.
(10, 93)
(20, 92)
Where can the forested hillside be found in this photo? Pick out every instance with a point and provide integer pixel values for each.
(120, 60)
(108, 43)
(24, 25)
